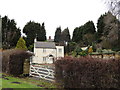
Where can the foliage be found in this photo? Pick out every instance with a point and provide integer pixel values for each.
(88, 39)
(84, 34)
(34, 30)
(79, 52)
(100, 27)
(72, 46)
(90, 50)
(83, 53)
(21, 44)
(78, 49)
(77, 34)
(86, 72)
(31, 47)
(110, 34)
(94, 47)
(65, 35)
(10, 33)
(89, 27)
(57, 37)
(16, 58)
(41, 34)
(114, 6)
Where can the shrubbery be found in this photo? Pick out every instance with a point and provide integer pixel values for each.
(13, 60)
(86, 72)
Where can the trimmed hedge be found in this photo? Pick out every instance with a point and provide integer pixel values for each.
(13, 61)
(86, 72)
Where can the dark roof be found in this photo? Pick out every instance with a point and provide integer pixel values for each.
(45, 45)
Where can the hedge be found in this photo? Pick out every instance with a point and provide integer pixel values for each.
(87, 72)
(13, 61)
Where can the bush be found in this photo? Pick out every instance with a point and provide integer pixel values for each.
(21, 44)
(13, 60)
(87, 72)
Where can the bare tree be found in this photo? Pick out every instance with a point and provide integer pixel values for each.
(114, 7)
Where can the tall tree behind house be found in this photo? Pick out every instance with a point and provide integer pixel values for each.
(65, 35)
(34, 30)
(84, 34)
(57, 37)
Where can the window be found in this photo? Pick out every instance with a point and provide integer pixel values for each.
(44, 58)
(44, 50)
(59, 50)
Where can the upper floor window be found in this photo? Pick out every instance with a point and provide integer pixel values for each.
(44, 50)
(44, 58)
(59, 50)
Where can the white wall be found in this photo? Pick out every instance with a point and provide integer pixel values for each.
(60, 53)
(40, 53)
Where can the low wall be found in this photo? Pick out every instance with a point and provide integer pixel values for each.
(106, 56)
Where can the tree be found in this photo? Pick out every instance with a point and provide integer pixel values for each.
(10, 33)
(108, 33)
(75, 34)
(100, 27)
(30, 31)
(88, 39)
(57, 37)
(41, 34)
(21, 44)
(111, 32)
(34, 30)
(72, 46)
(78, 34)
(65, 35)
(89, 27)
(114, 7)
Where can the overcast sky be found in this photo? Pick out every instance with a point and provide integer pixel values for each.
(54, 13)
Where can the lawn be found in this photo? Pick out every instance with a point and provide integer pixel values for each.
(28, 82)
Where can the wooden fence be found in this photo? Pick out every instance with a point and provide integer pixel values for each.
(43, 71)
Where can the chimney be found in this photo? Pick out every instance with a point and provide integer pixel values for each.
(49, 37)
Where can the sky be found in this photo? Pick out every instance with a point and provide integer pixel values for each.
(54, 13)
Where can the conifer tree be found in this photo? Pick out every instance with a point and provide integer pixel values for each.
(21, 44)
(65, 35)
(57, 37)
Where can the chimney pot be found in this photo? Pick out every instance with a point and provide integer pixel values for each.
(49, 37)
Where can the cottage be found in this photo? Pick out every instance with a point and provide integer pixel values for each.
(46, 52)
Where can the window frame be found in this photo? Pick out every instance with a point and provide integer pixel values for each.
(60, 50)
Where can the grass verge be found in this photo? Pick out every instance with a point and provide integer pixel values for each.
(28, 82)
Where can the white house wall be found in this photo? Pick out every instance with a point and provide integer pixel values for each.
(39, 54)
(60, 54)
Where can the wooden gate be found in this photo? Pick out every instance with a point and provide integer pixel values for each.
(43, 71)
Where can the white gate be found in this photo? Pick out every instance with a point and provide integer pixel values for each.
(43, 72)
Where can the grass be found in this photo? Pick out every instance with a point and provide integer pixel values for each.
(26, 83)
